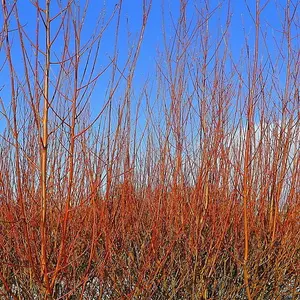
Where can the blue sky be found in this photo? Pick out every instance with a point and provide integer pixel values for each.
(242, 28)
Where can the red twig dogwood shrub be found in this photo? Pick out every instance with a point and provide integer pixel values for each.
(185, 186)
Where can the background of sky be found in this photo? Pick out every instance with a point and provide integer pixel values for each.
(242, 28)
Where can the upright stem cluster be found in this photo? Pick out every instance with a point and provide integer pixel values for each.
(182, 186)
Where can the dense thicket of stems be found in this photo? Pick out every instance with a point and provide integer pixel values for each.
(184, 186)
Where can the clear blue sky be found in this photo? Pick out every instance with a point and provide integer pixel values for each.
(242, 26)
